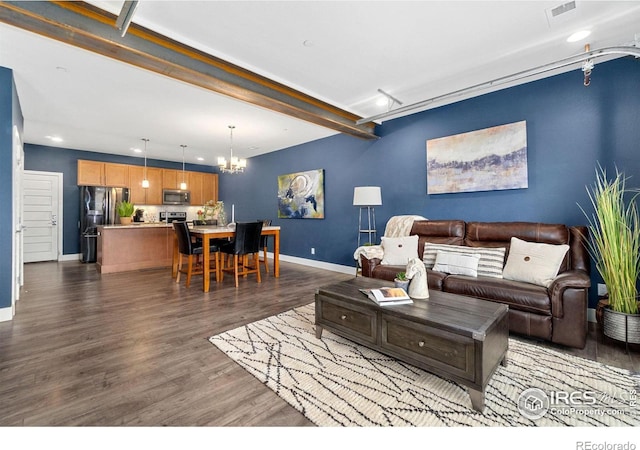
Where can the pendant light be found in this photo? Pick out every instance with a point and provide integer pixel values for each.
(183, 185)
(145, 181)
(235, 164)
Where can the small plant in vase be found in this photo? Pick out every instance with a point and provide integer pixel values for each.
(401, 280)
(125, 211)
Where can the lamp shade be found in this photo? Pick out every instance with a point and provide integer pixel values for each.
(367, 196)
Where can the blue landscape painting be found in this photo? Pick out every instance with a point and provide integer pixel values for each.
(485, 160)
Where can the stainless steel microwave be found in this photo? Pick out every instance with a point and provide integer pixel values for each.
(176, 197)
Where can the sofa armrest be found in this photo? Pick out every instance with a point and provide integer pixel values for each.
(368, 265)
(571, 279)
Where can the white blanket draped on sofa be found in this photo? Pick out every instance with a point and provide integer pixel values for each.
(397, 226)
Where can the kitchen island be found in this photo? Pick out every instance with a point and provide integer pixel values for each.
(133, 247)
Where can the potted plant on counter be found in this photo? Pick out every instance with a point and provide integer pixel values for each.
(401, 280)
(125, 211)
(614, 245)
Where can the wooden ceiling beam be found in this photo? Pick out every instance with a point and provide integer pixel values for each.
(86, 26)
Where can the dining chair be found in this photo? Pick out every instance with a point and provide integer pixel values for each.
(187, 248)
(264, 241)
(245, 243)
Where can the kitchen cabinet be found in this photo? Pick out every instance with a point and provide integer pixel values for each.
(210, 187)
(170, 179)
(137, 194)
(145, 196)
(96, 173)
(154, 191)
(90, 173)
(203, 186)
(116, 175)
(194, 185)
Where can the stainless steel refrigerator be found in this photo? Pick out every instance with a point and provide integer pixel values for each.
(97, 207)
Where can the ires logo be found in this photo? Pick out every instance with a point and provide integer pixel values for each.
(534, 403)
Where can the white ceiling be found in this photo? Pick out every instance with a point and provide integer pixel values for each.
(413, 50)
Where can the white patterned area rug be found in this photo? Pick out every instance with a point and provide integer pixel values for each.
(335, 382)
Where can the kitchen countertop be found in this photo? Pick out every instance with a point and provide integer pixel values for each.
(138, 225)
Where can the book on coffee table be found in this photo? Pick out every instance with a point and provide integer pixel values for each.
(387, 296)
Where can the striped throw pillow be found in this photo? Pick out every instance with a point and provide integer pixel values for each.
(491, 259)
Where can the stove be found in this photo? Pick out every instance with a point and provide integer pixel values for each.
(172, 216)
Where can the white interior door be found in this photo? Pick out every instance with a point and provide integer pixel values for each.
(42, 218)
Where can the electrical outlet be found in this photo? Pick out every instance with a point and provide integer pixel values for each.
(313, 250)
(602, 289)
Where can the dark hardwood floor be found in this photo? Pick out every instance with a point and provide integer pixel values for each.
(131, 349)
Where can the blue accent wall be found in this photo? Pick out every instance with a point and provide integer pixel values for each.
(10, 115)
(570, 129)
(65, 161)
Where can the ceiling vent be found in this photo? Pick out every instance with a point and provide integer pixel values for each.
(562, 13)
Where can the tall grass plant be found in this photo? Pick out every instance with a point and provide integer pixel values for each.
(615, 238)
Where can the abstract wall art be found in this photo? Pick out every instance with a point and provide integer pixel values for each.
(301, 195)
(484, 160)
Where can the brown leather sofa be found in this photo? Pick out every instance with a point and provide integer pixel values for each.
(557, 313)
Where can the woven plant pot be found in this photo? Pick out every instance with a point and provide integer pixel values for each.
(621, 327)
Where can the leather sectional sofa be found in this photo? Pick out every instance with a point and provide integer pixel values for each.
(557, 313)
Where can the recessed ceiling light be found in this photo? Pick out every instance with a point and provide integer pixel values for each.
(382, 101)
(54, 138)
(200, 158)
(308, 43)
(135, 149)
(578, 36)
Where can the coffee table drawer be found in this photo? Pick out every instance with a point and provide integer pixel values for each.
(357, 322)
(437, 349)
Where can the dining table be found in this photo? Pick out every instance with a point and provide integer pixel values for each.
(208, 232)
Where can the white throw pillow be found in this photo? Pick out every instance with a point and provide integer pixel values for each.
(398, 251)
(457, 263)
(491, 259)
(534, 262)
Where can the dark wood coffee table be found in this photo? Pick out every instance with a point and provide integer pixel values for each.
(460, 338)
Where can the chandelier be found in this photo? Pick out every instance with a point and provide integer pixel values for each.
(235, 164)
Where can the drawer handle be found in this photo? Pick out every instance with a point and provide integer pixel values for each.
(421, 344)
(343, 317)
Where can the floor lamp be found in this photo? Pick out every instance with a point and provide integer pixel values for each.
(366, 197)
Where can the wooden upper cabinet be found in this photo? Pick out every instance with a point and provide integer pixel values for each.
(96, 173)
(145, 196)
(210, 187)
(203, 186)
(90, 173)
(170, 179)
(154, 191)
(137, 194)
(194, 185)
(116, 175)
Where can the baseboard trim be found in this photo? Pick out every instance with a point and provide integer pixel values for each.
(6, 314)
(317, 264)
(70, 257)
